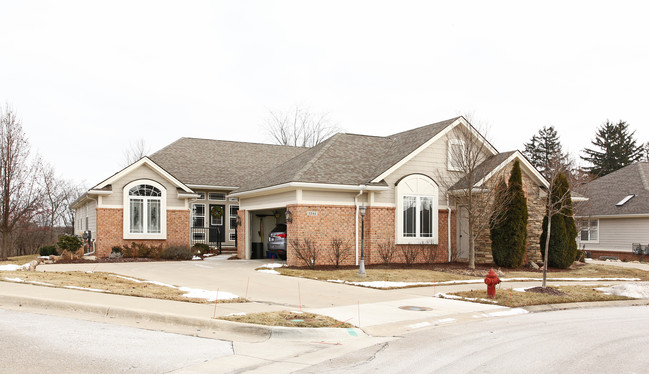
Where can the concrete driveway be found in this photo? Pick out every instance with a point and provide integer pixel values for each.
(376, 311)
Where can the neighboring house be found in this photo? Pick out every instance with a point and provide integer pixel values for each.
(184, 192)
(616, 214)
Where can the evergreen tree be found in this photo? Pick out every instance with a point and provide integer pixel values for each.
(617, 149)
(542, 150)
(511, 236)
(498, 228)
(562, 249)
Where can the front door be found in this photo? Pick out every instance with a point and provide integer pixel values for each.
(463, 234)
(217, 228)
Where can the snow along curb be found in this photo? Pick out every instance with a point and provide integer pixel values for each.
(257, 332)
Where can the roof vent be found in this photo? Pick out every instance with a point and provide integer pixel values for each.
(623, 201)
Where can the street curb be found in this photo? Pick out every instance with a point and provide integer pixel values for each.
(259, 332)
(585, 305)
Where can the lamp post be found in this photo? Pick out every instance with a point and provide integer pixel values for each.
(361, 267)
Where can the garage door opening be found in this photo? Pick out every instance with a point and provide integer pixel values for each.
(262, 222)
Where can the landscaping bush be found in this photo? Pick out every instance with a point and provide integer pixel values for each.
(142, 250)
(48, 250)
(562, 250)
(201, 248)
(177, 253)
(70, 243)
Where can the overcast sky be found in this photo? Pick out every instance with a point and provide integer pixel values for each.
(87, 77)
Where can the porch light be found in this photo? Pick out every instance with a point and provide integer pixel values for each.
(289, 216)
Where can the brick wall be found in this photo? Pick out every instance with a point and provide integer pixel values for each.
(110, 227)
(626, 256)
(321, 223)
(241, 235)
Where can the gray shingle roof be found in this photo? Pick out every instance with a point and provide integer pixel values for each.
(220, 162)
(482, 170)
(347, 158)
(605, 192)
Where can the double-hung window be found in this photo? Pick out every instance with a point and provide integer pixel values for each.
(417, 216)
(198, 215)
(144, 210)
(589, 230)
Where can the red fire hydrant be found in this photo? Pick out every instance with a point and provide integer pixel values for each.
(491, 280)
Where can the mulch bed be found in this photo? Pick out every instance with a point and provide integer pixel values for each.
(546, 291)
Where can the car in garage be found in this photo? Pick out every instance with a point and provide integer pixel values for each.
(277, 241)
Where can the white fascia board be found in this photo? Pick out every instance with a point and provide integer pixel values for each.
(525, 163)
(643, 215)
(579, 198)
(305, 185)
(464, 190)
(432, 140)
(143, 161)
(210, 187)
(100, 192)
(182, 195)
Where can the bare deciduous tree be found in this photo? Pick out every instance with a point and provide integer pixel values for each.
(299, 127)
(466, 184)
(19, 189)
(135, 151)
(55, 199)
(385, 250)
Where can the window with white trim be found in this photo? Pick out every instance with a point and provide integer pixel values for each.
(455, 155)
(234, 209)
(589, 230)
(233, 236)
(145, 210)
(417, 210)
(201, 195)
(218, 196)
(198, 215)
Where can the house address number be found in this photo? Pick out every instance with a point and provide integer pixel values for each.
(311, 213)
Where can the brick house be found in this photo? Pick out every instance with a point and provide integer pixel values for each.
(208, 191)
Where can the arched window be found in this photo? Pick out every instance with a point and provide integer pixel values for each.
(417, 202)
(144, 210)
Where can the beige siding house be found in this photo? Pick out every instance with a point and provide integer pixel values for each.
(614, 221)
(234, 194)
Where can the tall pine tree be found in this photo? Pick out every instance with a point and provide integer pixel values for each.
(617, 149)
(509, 240)
(543, 149)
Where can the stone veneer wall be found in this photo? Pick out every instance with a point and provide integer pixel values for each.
(535, 210)
(110, 226)
(241, 235)
(321, 223)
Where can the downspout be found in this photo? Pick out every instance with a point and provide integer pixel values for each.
(448, 205)
(362, 186)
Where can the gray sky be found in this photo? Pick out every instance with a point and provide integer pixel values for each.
(88, 78)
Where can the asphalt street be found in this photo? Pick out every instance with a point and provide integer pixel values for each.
(36, 343)
(598, 340)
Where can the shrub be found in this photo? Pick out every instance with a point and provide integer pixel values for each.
(386, 251)
(339, 251)
(177, 252)
(305, 250)
(70, 243)
(116, 249)
(410, 252)
(201, 248)
(48, 250)
(142, 250)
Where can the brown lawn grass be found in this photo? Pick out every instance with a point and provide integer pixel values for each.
(444, 275)
(391, 275)
(107, 282)
(510, 298)
(18, 260)
(288, 319)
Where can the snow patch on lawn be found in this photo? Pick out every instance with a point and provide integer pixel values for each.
(273, 265)
(86, 289)
(638, 290)
(13, 267)
(197, 258)
(269, 271)
(189, 292)
(235, 314)
(17, 280)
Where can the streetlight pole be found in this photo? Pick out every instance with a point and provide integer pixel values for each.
(361, 267)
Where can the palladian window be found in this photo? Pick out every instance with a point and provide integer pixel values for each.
(145, 208)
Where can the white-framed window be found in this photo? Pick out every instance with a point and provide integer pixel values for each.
(201, 195)
(198, 215)
(145, 210)
(234, 209)
(589, 230)
(198, 236)
(218, 196)
(417, 210)
(455, 155)
(233, 236)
